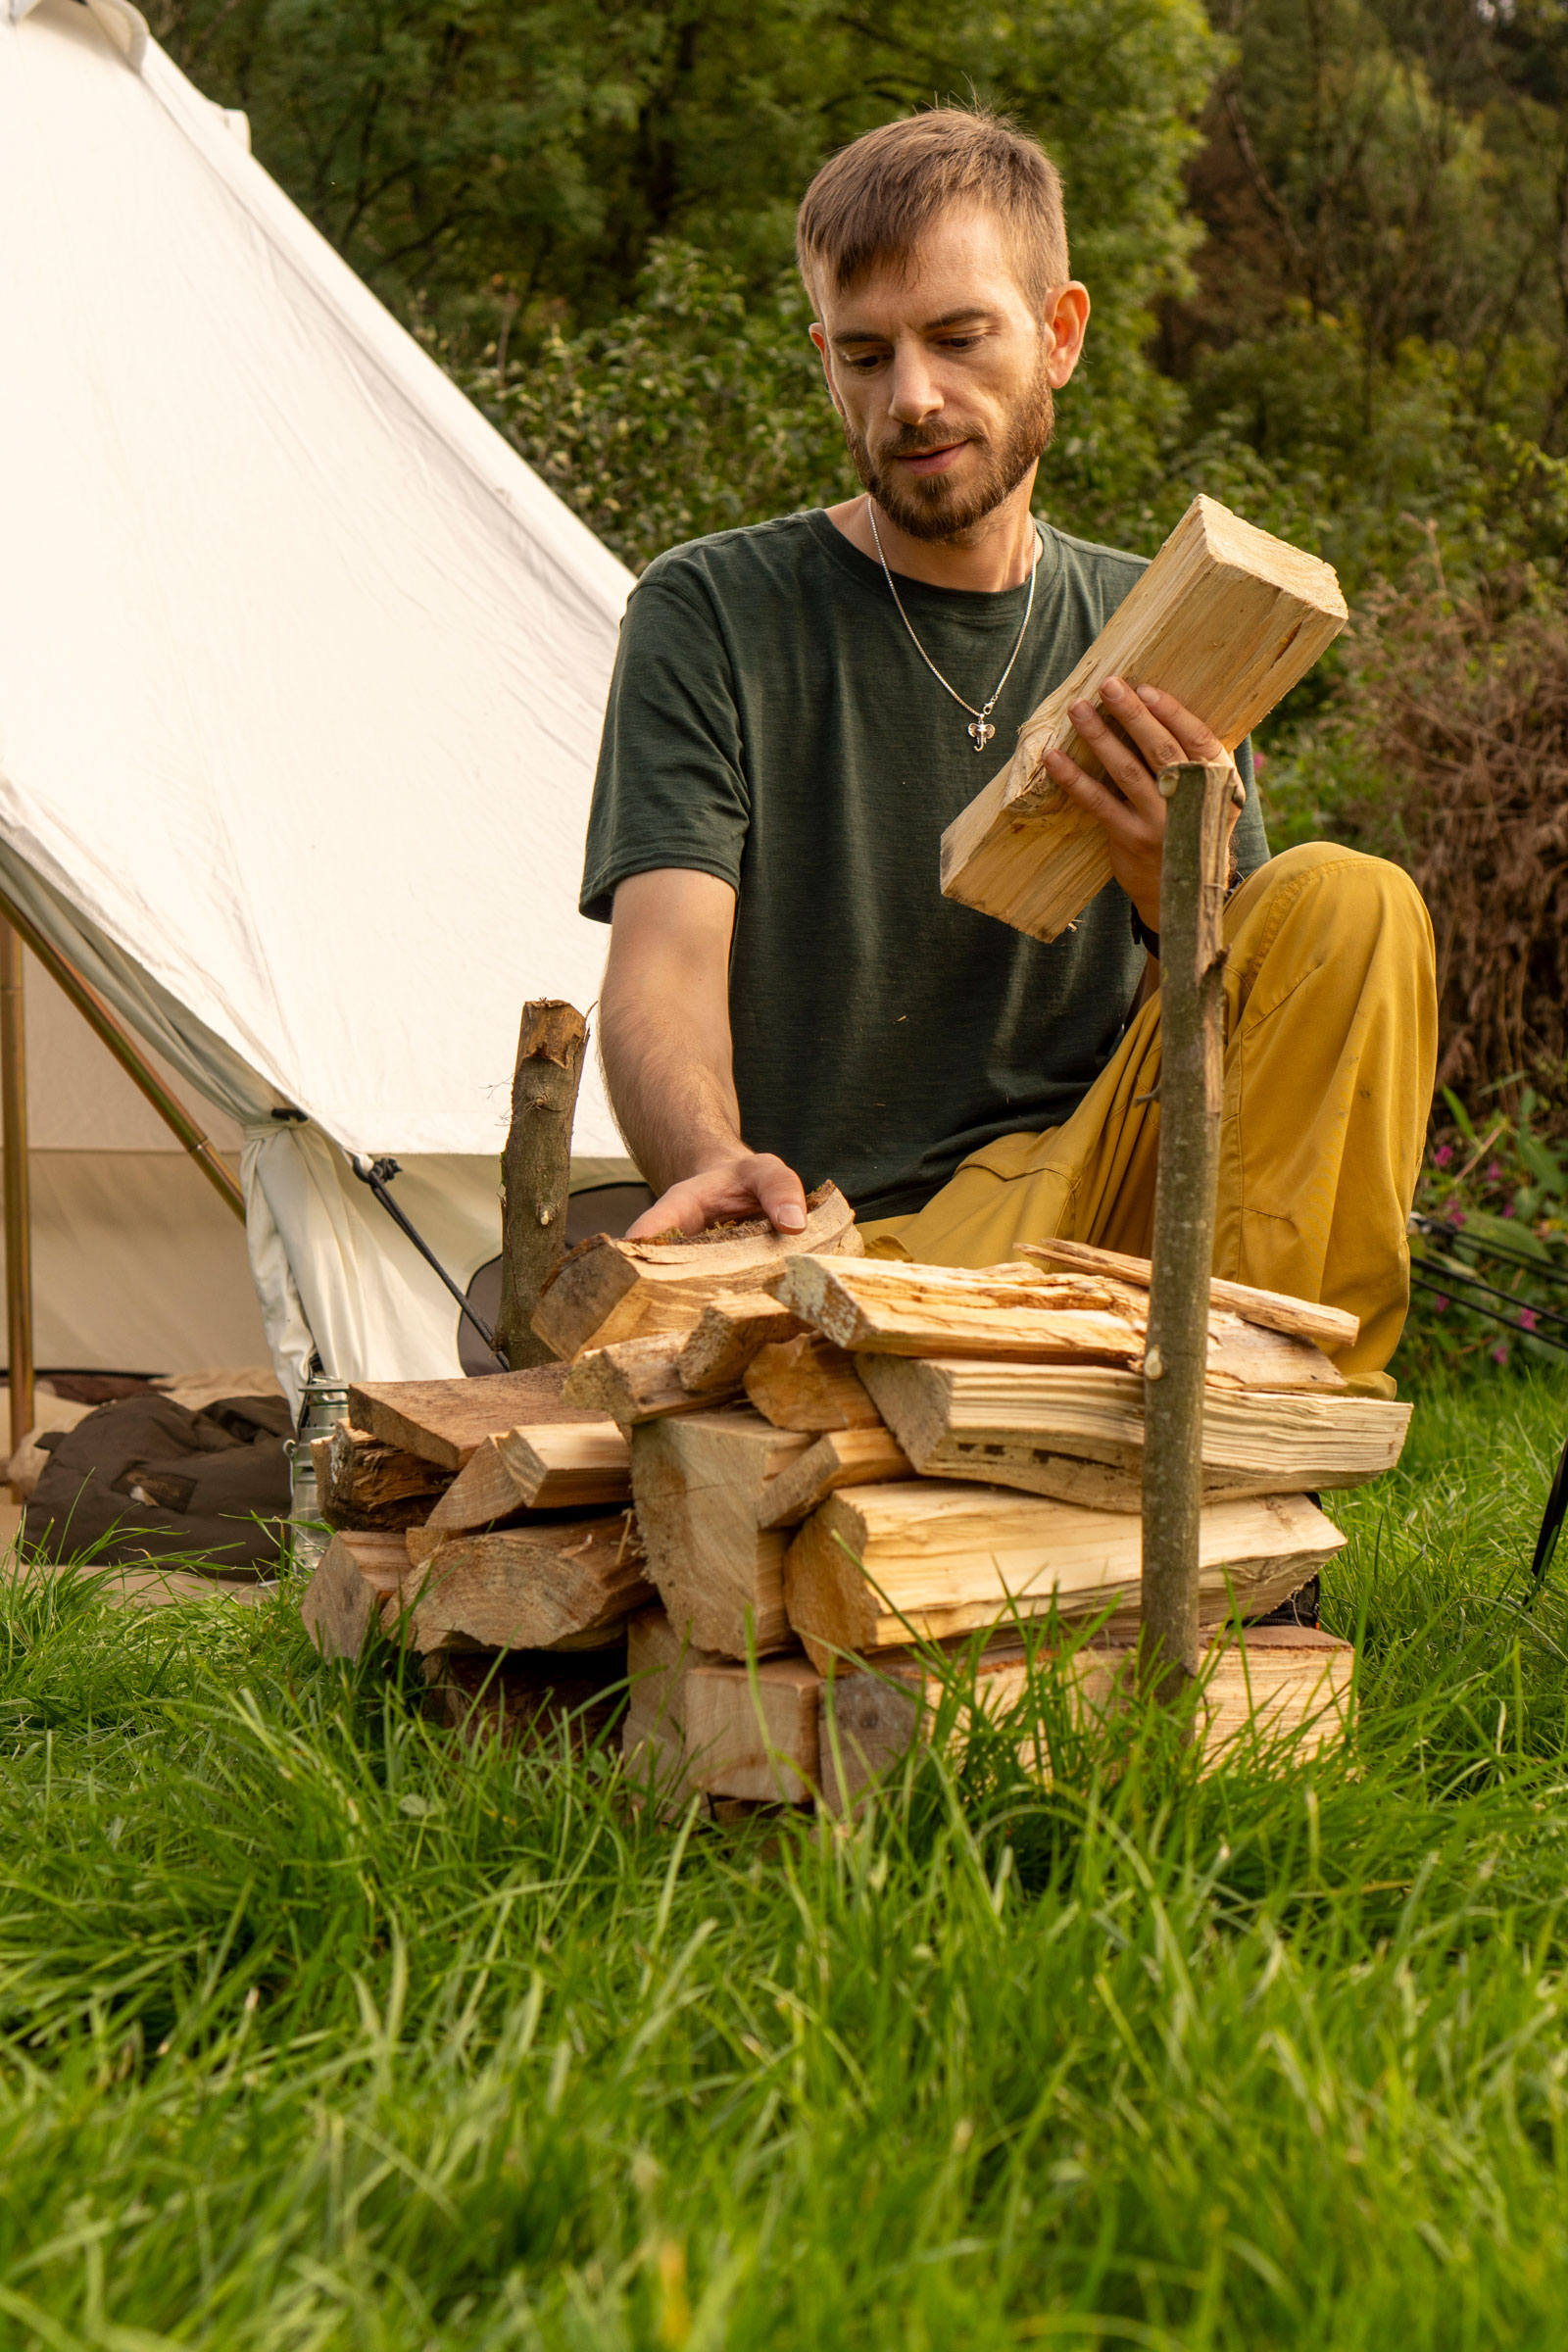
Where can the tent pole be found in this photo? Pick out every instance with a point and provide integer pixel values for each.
(98, 1017)
(17, 1217)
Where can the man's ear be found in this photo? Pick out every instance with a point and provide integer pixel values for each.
(819, 337)
(1065, 322)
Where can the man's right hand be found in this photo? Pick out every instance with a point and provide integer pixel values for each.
(752, 1184)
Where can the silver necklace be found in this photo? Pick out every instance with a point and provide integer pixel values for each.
(979, 730)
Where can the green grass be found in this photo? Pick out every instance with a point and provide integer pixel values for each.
(319, 2030)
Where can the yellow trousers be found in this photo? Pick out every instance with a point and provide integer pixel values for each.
(1330, 1050)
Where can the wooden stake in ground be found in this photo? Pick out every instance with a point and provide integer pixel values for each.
(536, 1170)
(1192, 968)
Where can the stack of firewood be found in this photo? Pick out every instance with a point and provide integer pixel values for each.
(767, 1467)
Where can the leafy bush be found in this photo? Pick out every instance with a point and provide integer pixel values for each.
(1489, 1249)
(695, 412)
(1446, 748)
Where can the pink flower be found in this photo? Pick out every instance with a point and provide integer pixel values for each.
(1440, 1306)
(1442, 1155)
(1499, 1354)
(1527, 1318)
(1494, 1174)
(1507, 1208)
(1458, 1217)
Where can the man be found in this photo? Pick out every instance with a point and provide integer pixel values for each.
(801, 708)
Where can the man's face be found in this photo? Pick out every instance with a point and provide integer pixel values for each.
(943, 374)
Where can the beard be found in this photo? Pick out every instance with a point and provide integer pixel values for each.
(934, 507)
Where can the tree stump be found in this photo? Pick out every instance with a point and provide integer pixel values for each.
(1192, 967)
(536, 1170)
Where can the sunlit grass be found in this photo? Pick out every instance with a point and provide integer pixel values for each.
(320, 2028)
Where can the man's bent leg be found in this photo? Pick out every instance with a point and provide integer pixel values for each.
(1330, 1047)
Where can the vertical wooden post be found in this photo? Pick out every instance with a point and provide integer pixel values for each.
(18, 1210)
(536, 1170)
(1192, 966)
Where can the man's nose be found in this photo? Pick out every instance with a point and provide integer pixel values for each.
(915, 393)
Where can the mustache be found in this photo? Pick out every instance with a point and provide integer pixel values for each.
(915, 444)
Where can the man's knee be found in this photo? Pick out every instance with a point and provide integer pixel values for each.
(1344, 888)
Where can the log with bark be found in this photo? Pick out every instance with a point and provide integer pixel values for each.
(640, 1380)
(362, 1483)
(550, 1585)
(1274, 1682)
(445, 1421)
(840, 1457)
(553, 1467)
(607, 1290)
(1328, 1327)
(536, 1170)
(1226, 620)
(728, 1336)
(659, 1659)
(342, 1602)
(1016, 1311)
(752, 1729)
(696, 1721)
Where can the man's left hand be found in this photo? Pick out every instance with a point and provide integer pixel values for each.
(1153, 730)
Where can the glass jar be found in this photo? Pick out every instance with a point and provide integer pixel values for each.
(323, 1404)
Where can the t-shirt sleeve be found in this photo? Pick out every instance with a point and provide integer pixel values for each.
(670, 788)
(1249, 843)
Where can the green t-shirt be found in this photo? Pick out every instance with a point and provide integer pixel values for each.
(770, 722)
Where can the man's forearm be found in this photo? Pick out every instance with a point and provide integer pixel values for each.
(665, 1039)
(670, 1085)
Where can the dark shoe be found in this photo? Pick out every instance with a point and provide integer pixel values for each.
(1301, 1609)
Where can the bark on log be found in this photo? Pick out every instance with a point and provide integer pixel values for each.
(1191, 972)
(536, 1170)
(353, 1576)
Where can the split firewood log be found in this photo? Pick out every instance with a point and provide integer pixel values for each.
(1227, 618)
(608, 1290)
(698, 1481)
(879, 1567)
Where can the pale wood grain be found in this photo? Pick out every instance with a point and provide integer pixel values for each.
(878, 1567)
(1227, 618)
(807, 1382)
(698, 1481)
(1043, 1428)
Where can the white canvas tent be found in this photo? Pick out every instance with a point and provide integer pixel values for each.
(300, 678)
(137, 1265)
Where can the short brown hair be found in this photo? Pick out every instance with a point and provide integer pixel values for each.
(874, 199)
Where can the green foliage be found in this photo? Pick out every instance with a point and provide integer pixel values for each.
(695, 412)
(441, 147)
(1492, 1208)
(589, 216)
(604, 198)
(322, 2030)
(1404, 175)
